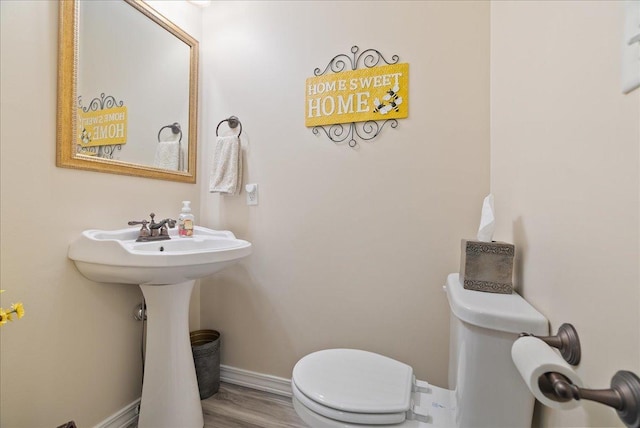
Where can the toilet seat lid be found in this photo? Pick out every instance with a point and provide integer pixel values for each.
(352, 380)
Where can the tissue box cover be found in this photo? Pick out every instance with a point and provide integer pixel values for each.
(487, 266)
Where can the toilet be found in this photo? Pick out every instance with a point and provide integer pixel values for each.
(356, 388)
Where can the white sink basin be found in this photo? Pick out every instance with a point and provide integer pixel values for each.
(116, 257)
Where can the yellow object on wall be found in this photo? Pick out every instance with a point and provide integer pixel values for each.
(102, 127)
(376, 93)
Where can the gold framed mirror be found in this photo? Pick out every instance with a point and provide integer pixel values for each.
(127, 91)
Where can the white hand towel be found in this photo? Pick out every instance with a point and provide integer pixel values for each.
(167, 155)
(226, 174)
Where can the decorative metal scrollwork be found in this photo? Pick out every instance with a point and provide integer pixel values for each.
(368, 130)
(104, 102)
(371, 58)
(101, 103)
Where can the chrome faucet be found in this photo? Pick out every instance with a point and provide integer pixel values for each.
(155, 231)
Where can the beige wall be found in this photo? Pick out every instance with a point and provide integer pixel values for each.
(76, 353)
(564, 171)
(351, 247)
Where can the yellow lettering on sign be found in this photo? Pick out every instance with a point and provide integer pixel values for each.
(376, 93)
(102, 127)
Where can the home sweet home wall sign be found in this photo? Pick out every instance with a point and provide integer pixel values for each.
(348, 105)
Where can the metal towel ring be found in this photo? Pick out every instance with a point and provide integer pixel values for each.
(233, 123)
(175, 128)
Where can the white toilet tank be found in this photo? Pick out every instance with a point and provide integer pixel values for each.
(489, 391)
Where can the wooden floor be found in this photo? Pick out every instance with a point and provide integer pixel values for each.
(235, 406)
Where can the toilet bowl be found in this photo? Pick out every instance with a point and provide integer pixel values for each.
(356, 388)
(361, 388)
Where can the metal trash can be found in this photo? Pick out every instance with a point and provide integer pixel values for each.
(205, 345)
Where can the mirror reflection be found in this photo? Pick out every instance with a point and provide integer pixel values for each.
(133, 100)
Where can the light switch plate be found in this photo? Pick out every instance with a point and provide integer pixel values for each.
(252, 194)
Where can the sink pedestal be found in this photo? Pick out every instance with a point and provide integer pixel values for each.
(170, 396)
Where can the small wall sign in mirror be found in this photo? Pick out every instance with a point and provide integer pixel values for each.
(102, 125)
(356, 104)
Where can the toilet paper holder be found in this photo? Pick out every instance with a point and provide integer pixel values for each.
(566, 341)
(624, 394)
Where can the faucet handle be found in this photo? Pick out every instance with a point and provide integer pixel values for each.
(164, 231)
(144, 230)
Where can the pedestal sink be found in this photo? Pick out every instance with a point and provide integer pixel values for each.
(166, 272)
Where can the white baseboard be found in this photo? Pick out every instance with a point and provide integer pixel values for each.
(259, 381)
(262, 382)
(122, 418)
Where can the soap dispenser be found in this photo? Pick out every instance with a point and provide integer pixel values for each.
(185, 221)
